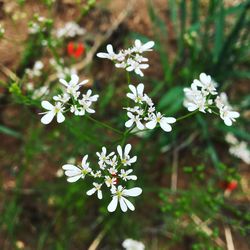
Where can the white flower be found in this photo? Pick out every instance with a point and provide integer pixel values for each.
(38, 93)
(113, 162)
(71, 29)
(88, 98)
(110, 181)
(103, 157)
(137, 93)
(73, 85)
(125, 158)
(97, 174)
(119, 195)
(163, 121)
(62, 98)
(228, 116)
(36, 70)
(130, 244)
(74, 173)
(52, 111)
(222, 100)
(206, 83)
(136, 67)
(140, 48)
(194, 99)
(113, 171)
(96, 188)
(231, 139)
(125, 175)
(241, 151)
(134, 119)
(111, 55)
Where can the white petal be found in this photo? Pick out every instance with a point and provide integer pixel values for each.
(131, 96)
(129, 204)
(113, 204)
(140, 89)
(47, 118)
(151, 124)
(137, 43)
(129, 123)
(47, 105)
(84, 159)
(169, 119)
(123, 205)
(60, 117)
(99, 194)
(132, 191)
(69, 167)
(132, 177)
(133, 159)
(74, 178)
(119, 150)
(103, 55)
(74, 79)
(127, 149)
(140, 125)
(228, 122)
(62, 81)
(132, 88)
(91, 191)
(71, 173)
(110, 49)
(165, 126)
(234, 114)
(148, 45)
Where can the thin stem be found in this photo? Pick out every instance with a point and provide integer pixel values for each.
(104, 125)
(128, 78)
(187, 115)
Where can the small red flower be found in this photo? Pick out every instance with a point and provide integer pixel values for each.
(75, 50)
(231, 185)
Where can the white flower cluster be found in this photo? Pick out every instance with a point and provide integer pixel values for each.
(71, 98)
(143, 114)
(238, 149)
(36, 71)
(70, 29)
(130, 244)
(113, 169)
(201, 96)
(131, 58)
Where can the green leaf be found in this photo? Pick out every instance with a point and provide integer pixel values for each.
(171, 102)
(7, 131)
(219, 32)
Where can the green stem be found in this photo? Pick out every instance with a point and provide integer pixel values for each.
(104, 125)
(187, 115)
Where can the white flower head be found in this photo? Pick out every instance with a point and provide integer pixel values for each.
(136, 67)
(130, 244)
(111, 55)
(163, 121)
(126, 160)
(140, 48)
(125, 175)
(53, 110)
(73, 85)
(137, 93)
(96, 188)
(134, 119)
(206, 84)
(228, 116)
(103, 157)
(74, 173)
(110, 181)
(119, 195)
(241, 151)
